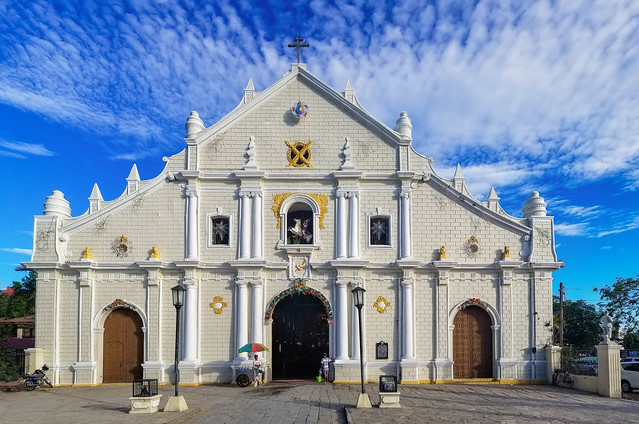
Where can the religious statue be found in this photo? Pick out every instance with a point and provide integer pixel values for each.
(442, 252)
(87, 253)
(606, 324)
(506, 252)
(154, 253)
(301, 233)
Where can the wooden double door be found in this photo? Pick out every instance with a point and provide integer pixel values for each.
(472, 344)
(123, 347)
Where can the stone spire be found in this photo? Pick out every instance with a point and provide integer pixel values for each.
(349, 91)
(492, 200)
(57, 205)
(459, 179)
(95, 199)
(403, 125)
(249, 91)
(133, 180)
(534, 206)
(193, 124)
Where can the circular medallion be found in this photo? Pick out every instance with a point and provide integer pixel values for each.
(300, 110)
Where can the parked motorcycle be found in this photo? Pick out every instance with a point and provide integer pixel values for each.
(38, 378)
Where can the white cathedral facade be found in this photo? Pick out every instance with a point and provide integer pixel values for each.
(269, 218)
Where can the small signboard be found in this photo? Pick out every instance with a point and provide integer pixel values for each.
(387, 383)
(381, 350)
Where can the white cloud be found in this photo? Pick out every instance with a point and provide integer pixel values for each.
(621, 227)
(17, 147)
(577, 229)
(17, 250)
(503, 83)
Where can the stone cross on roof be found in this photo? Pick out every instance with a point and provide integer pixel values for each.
(298, 45)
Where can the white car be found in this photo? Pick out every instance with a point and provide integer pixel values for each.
(629, 376)
(629, 359)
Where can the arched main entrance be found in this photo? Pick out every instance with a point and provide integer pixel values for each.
(300, 336)
(472, 344)
(123, 346)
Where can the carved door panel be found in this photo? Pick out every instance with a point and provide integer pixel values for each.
(123, 347)
(300, 337)
(472, 344)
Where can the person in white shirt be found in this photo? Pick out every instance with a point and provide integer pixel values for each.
(257, 370)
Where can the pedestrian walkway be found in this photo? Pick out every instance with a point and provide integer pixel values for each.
(306, 402)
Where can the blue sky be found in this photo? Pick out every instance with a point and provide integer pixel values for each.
(525, 95)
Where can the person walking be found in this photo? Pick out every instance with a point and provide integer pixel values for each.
(325, 361)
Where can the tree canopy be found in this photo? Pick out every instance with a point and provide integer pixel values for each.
(581, 323)
(22, 302)
(621, 300)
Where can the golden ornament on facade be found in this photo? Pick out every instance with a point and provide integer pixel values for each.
(320, 199)
(381, 304)
(299, 154)
(154, 253)
(121, 246)
(442, 252)
(218, 304)
(87, 253)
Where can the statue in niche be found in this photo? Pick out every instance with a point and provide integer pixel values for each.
(301, 232)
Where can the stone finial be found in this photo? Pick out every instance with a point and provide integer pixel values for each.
(493, 200)
(193, 124)
(249, 91)
(534, 206)
(154, 253)
(442, 252)
(459, 179)
(95, 199)
(349, 91)
(87, 255)
(403, 125)
(347, 164)
(133, 180)
(250, 152)
(57, 205)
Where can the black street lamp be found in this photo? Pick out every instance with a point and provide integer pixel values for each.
(358, 299)
(178, 301)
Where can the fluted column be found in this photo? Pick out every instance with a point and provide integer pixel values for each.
(341, 337)
(407, 318)
(241, 317)
(354, 226)
(191, 224)
(258, 311)
(340, 225)
(245, 226)
(256, 245)
(405, 223)
(190, 322)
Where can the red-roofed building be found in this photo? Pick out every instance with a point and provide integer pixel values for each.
(7, 292)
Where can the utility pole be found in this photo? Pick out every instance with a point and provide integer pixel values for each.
(561, 314)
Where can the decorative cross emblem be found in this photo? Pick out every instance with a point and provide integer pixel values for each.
(299, 154)
(298, 45)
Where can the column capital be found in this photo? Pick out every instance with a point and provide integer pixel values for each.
(341, 283)
(257, 283)
(408, 283)
(405, 193)
(241, 283)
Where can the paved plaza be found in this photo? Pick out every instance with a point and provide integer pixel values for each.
(306, 402)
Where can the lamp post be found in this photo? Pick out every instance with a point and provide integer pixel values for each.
(177, 403)
(358, 298)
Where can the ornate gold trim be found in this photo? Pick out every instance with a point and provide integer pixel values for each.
(381, 304)
(320, 199)
(218, 304)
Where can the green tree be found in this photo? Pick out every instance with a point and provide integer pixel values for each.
(22, 302)
(621, 300)
(581, 323)
(631, 341)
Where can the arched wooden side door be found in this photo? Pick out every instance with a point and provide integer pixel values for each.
(123, 347)
(472, 344)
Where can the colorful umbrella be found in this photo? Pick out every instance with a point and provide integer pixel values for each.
(253, 347)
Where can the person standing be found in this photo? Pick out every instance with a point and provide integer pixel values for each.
(325, 361)
(258, 372)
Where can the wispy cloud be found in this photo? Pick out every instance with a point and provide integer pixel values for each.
(621, 227)
(577, 229)
(17, 250)
(508, 83)
(16, 149)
